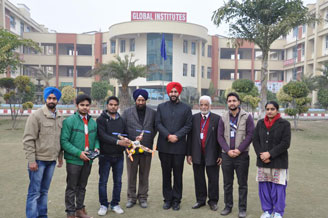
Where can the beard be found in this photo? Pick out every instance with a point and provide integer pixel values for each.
(111, 112)
(204, 112)
(51, 105)
(174, 99)
(141, 107)
(233, 109)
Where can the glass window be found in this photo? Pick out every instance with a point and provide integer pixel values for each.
(12, 21)
(209, 72)
(203, 69)
(304, 28)
(122, 46)
(209, 51)
(112, 47)
(203, 49)
(193, 48)
(132, 45)
(21, 28)
(193, 70)
(28, 29)
(326, 42)
(295, 31)
(185, 46)
(104, 48)
(294, 52)
(185, 69)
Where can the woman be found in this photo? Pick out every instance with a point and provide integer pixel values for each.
(271, 141)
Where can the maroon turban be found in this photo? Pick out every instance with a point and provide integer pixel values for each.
(172, 85)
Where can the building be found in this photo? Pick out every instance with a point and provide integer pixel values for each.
(195, 58)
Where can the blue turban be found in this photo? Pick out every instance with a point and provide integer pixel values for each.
(139, 92)
(51, 90)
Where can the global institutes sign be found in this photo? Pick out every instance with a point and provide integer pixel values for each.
(158, 16)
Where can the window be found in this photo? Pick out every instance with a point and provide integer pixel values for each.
(185, 46)
(304, 28)
(193, 48)
(104, 48)
(193, 70)
(12, 21)
(112, 47)
(28, 29)
(203, 69)
(295, 31)
(294, 52)
(122, 46)
(326, 42)
(132, 45)
(185, 69)
(209, 51)
(209, 72)
(303, 49)
(203, 49)
(326, 17)
(21, 28)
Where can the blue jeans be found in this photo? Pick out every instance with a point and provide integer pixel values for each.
(37, 197)
(105, 163)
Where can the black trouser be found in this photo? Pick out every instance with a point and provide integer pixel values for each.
(77, 180)
(201, 191)
(239, 164)
(169, 163)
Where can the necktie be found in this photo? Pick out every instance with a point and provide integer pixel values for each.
(86, 134)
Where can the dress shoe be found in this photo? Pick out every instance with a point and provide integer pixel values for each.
(143, 204)
(176, 206)
(242, 214)
(214, 207)
(130, 204)
(198, 205)
(81, 214)
(70, 216)
(225, 211)
(167, 205)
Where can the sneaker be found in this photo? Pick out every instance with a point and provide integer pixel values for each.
(277, 215)
(102, 210)
(266, 214)
(117, 209)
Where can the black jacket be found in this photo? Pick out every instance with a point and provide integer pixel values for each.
(174, 119)
(106, 127)
(212, 147)
(276, 142)
(132, 124)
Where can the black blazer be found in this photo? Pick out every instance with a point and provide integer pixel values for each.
(212, 147)
(175, 119)
(276, 142)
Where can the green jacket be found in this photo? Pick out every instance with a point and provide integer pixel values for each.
(72, 138)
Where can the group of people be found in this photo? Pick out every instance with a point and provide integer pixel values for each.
(205, 139)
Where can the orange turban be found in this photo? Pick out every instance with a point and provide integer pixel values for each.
(172, 85)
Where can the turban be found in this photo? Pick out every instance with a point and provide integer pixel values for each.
(172, 85)
(51, 90)
(140, 92)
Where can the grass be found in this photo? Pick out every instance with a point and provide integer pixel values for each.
(306, 192)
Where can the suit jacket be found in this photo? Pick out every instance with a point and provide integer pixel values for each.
(212, 147)
(174, 119)
(132, 123)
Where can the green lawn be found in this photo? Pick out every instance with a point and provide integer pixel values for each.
(307, 191)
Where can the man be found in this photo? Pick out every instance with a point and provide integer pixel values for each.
(173, 121)
(78, 137)
(235, 133)
(41, 142)
(110, 125)
(139, 118)
(204, 152)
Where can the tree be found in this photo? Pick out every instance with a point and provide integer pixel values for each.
(262, 22)
(9, 42)
(99, 91)
(42, 75)
(124, 70)
(247, 92)
(323, 97)
(190, 95)
(211, 90)
(16, 95)
(296, 93)
(68, 94)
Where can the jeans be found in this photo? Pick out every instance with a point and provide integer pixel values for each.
(105, 163)
(37, 197)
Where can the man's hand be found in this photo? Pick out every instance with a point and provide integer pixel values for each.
(237, 152)
(124, 142)
(33, 166)
(139, 138)
(172, 138)
(267, 161)
(231, 153)
(83, 156)
(96, 150)
(60, 162)
(189, 160)
(265, 156)
(219, 161)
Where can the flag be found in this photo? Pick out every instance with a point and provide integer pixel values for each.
(163, 48)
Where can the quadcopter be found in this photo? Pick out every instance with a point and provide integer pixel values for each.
(136, 145)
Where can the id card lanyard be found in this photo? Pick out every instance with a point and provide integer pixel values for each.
(202, 129)
(233, 128)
